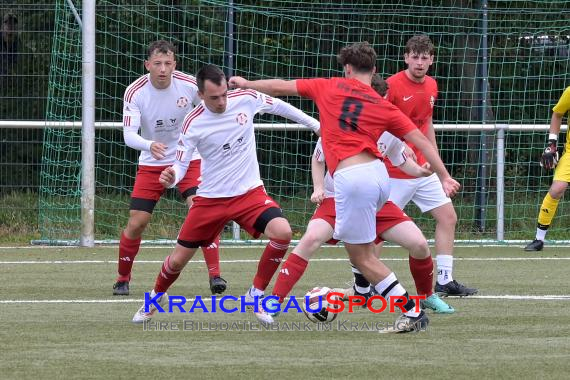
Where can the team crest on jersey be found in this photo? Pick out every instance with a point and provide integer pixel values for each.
(431, 101)
(241, 118)
(182, 102)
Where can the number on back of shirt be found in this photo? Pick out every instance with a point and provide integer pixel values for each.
(351, 109)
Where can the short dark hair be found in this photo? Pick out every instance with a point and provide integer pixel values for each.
(209, 72)
(161, 46)
(379, 85)
(420, 44)
(360, 55)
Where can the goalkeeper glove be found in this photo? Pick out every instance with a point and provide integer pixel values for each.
(549, 158)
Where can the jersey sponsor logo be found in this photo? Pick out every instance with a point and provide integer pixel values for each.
(159, 123)
(406, 98)
(182, 102)
(234, 148)
(241, 118)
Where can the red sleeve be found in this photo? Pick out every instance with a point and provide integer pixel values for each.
(311, 88)
(390, 94)
(400, 124)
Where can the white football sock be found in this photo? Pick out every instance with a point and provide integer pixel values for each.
(444, 269)
(540, 234)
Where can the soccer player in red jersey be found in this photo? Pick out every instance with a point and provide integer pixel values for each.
(353, 116)
(414, 93)
(221, 129)
(156, 104)
(392, 224)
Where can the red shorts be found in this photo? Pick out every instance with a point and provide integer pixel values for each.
(388, 216)
(326, 212)
(208, 216)
(147, 185)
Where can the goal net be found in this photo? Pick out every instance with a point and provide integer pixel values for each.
(505, 64)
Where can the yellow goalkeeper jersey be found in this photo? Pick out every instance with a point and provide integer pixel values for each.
(562, 107)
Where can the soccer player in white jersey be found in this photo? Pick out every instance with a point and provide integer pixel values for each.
(221, 128)
(392, 224)
(156, 104)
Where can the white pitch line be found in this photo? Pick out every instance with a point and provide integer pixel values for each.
(256, 260)
(129, 300)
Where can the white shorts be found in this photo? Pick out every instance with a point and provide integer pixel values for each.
(360, 190)
(426, 192)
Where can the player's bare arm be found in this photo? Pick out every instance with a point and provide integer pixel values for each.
(158, 150)
(318, 175)
(410, 167)
(431, 134)
(450, 186)
(272, 87)
(167, 177)
(555, 123)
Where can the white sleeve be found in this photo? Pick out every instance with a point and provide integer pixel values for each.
(393, 148)
(134, 140)
(319, 153)
(184, 152)
(131, 125)
(276, 106)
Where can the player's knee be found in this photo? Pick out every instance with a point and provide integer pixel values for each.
(418, 247)
(557, 190)
(447, 218)
(282, 232)
(136, 226)
(452, 219)
(313, 239)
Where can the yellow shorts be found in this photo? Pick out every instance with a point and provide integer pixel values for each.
(562, 171)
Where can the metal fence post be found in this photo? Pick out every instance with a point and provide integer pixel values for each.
(501, 181)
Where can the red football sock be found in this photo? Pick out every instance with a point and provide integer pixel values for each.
(269, 262)
(422, 272)
(166, 277)
(128, 249)
(212, 257)
(291, 272)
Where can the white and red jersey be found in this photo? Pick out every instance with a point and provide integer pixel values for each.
(159, 114)
(226, 142)
(389, 146)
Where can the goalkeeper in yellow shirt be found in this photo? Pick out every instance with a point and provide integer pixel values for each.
(549, 160)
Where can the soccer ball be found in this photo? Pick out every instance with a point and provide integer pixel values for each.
(323, 315)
